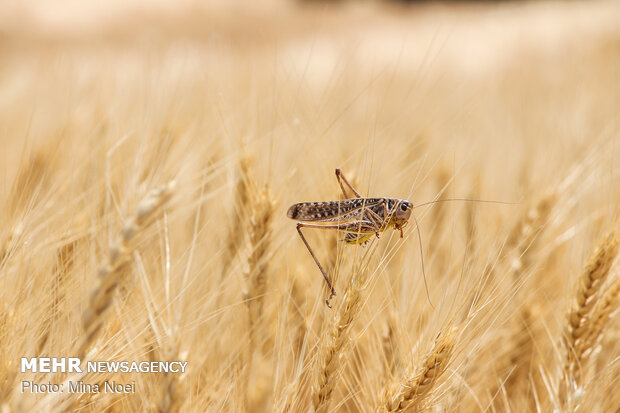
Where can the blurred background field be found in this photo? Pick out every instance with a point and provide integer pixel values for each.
(249, 107)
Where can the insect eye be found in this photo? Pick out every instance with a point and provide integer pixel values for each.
(403, 207)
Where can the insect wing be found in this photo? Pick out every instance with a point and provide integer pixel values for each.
(330, 211)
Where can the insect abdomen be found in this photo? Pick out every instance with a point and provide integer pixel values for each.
(357, 238)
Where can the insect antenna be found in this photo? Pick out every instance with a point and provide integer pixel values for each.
(420, 236)
(484, 201)
(428, 296)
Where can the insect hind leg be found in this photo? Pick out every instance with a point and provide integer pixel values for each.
(332, 291)
(341, 178)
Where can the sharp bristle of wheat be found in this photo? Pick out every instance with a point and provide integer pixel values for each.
(471, 216)
(10, 243)
(436, 248)
(415, 389)
(27, 190)
(30, 181)
(299, 321)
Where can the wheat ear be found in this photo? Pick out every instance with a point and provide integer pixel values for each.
(171, 396)
(336, 338)
(236, 230)
(256, 283)
(258, 260)
(415, 390)
(110, 273)
(609, 303)
(581, 320)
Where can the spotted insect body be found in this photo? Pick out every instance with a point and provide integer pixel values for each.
(359, 218)
(331, 210)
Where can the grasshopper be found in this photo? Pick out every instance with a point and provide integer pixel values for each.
(359, 218)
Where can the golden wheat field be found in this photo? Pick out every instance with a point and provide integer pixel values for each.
(150, 152)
